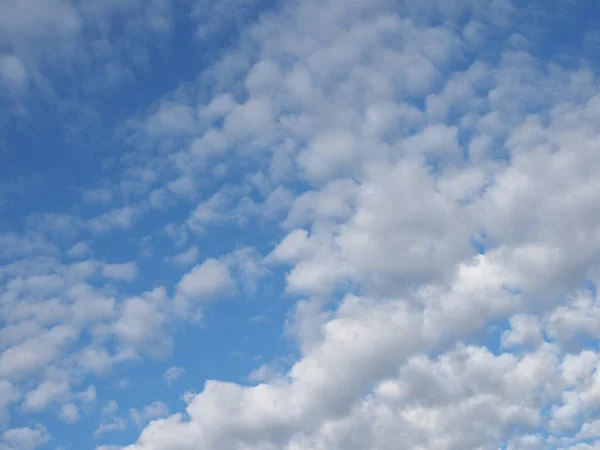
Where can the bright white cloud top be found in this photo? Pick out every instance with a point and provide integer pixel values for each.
(317, 224)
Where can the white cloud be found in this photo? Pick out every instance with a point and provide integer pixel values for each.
(25, 438)
(140, 327)
(8, 395)
(397, 195)
(153, 411)
(31, 19)
(171, 118)
(119, 218)
(94, 360)
(110, 408)
(122, 272)
(524, 330)
(205, 280)
(79, 250)
(208, 212)
(89, 395)
(35, 353)
(69, 413)
(186, 257)
(388, 150)
(55, 388)
(99, 195)
(114, 424)
(13, 71)
(173, 374)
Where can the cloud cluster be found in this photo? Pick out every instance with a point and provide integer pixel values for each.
(446, 192)
(427, 194)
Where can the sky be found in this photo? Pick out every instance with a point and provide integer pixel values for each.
(299, 225)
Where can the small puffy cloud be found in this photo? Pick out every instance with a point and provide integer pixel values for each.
(153, 411)
(524, 330)
(9, 394)
(12, 71)
(56, 388)
(211, 211)
(89, 395)
(124, 383)
(79, 250)
(100, 195)
(113, 424)
(186, 257)
(35, 353)
(173, 374)
(94, 360)
(122, 272)
(26, 438)
(140, 327)
(110, 408)
(206, 280)
(171, 117)
(69, 413)
(119, 218)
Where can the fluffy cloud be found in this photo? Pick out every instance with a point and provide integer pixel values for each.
(204, 281)
(173, 374)
(401, 201)
(24, 438)
(417, 174)
(123, 272)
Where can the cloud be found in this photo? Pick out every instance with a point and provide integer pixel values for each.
(122, 272)
(25, 438)
(118, 218)
(32, 19)
(173, 374)
(79, 250)
(186, 257)
(423, 185)
(114, 424)
(153, 411)
(95, 360)
(8, 395)
(13, 71)
(54, 388)
(99, 195)
(205, 280)
(110, 408)
(69, 413)
(140, 327)
(402, 158)
(35, 353)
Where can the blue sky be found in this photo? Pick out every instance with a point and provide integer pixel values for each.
(260, 225)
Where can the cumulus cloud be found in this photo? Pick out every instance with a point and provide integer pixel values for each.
(205, 280)
(25, 438)
(110, 408)
(69, 413)
(437, 199)
(172, 374)
(8, 394)
(118, 218)
(153, 411)
(114, 424)
(79, 250)
(186, 257)
(13, 71)
(122, 272)
(417, 179)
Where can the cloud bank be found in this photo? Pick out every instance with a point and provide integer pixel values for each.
(417, 181)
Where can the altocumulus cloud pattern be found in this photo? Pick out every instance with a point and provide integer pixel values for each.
(299, 225)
